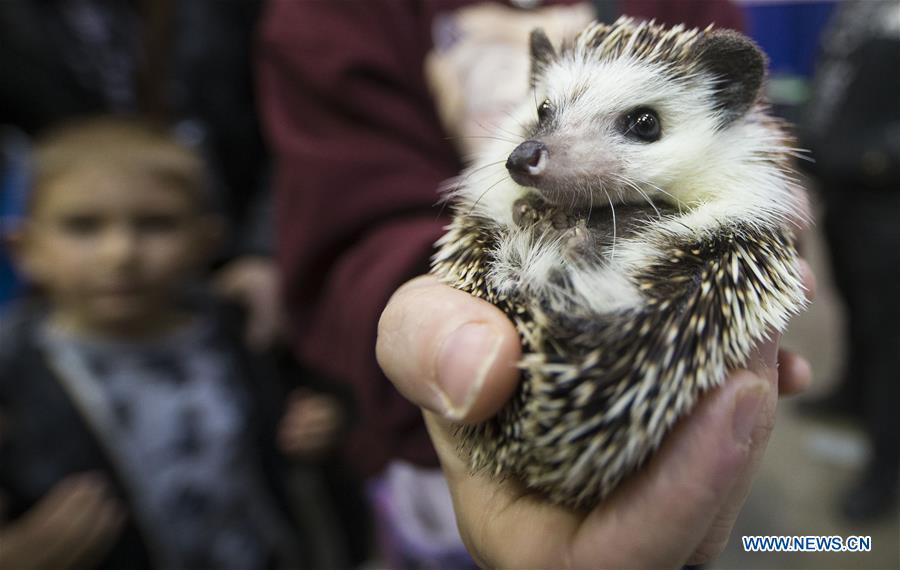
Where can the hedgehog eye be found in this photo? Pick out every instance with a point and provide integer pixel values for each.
(544, 110)
(642, 124)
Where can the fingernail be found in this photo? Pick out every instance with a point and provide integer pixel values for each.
(463, 364)
(746, 411)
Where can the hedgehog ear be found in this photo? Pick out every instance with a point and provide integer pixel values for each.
(738, 65)
(542, 53)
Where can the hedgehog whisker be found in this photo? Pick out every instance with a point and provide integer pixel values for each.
(474, 171)
(449, 192)
(644, 195)
(483, 194)
(659, 215)
(678, 203)
(590, 207)
(488, 137)
(514, 118)
(648, 199)
(497, 127)
(612, 208)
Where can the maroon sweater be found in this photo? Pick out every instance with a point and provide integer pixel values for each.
(360, 154)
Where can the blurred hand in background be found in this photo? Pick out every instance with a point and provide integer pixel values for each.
(72, 526)
(463, 75)
(253, 283)
(310, 425)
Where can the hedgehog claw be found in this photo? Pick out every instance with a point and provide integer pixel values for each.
(527, 211)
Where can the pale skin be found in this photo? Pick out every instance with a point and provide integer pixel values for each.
(678, 509)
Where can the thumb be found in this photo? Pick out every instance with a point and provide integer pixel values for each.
(448, 351)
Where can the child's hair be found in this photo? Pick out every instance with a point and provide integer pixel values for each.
(116, 144)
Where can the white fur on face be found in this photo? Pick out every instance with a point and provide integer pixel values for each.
(711, 175)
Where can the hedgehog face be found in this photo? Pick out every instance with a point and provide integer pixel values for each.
(615, 131)
(631, 127)
(661, 119)
(637, 135)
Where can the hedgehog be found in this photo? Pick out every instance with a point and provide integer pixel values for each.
(635, 221)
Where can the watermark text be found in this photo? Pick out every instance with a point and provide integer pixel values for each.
(807, 543)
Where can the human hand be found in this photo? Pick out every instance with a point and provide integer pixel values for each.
(310, 424)
(73, 526)
(252, 282)
(478, 71)
(457, 360)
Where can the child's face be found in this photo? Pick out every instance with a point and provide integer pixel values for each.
(112, 250)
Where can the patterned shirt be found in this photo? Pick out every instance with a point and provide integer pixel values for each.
(175, 425)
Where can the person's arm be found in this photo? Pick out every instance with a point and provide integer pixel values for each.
(691, 13)
(359, 157)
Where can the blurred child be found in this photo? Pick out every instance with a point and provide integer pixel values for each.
(135, 430)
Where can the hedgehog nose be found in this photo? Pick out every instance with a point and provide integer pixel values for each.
(527, 161)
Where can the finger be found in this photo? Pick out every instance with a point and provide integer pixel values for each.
(764, 359)
(69, 497)
(261, 331)
(794, 373)
(291, 438)
(447, 351)
(690, 479)
(99, 534)
(311, 431)
(321, 424)
(253, 283)
(765, 362)
(310, 415)
(322, 419)
(719, 531)
(311, 443)
(70, 522)
(683, 487)
(808, 278)
(480, 502)
(29, 543)
(307, 444)
(79, 508)
(314, 405)
(294, 402)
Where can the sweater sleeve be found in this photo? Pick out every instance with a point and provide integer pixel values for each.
(691, 13)
(360, 155)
